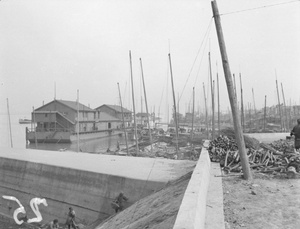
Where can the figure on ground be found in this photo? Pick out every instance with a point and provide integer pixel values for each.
(53, 224)
(71, 219)
(118, 203)
(296, 132)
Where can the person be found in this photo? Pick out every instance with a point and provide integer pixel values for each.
(296, 132)
(118, 145)
(53, 224)
(71, 219)
(120, 202)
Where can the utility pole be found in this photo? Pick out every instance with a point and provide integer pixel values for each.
(236, 119)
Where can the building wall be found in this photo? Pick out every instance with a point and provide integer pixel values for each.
(105, 109)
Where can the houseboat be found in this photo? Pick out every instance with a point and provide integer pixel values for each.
(61, 121)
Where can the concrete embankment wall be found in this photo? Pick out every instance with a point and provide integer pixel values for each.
(89, 193)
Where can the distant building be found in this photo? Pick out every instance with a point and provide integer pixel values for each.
(62, 115)
(115, 112)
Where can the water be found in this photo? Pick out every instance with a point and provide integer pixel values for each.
(19, 140)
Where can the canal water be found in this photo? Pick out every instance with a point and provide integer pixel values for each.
(18, 140)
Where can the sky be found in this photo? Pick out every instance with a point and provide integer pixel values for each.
(52, 48)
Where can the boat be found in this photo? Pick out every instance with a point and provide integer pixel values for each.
(24, 121)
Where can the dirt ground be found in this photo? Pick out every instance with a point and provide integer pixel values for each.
(269, 201)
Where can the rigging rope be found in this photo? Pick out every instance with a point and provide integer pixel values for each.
(260, 7)
(205, 35)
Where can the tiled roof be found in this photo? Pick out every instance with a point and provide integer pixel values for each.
(73, 105)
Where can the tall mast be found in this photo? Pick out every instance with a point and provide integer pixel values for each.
(279, 107)
(212, 99)
(206, 115)
(146, 104)
(174, 102)
(35, 138)
(242, 104)
(218, 104)
(265, 113)
(78, 121)
(192, 132)
(253, 101)
(236, 119)
(287, 126)
(134, 118)
(11, 141)
(125, 134)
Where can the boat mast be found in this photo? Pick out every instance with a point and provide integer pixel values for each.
(123, 120)
(77, 120)
(11, 141)
(242, 104)
(279, 107)
(146, 104)
(212, 99)
(237, 124)
(285, 111)
(265, 113)
(192, 132)
(218, 104)
(35, 139)
(206, 115)
(134, 118)
(174, 102)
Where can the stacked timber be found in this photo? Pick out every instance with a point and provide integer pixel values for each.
(278, 156)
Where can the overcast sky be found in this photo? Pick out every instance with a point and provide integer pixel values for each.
(84, 45)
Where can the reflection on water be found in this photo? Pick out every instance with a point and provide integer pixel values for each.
(19, 140)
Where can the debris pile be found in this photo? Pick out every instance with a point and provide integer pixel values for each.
(278, 156)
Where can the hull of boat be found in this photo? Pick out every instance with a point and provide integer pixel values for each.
(68, 137)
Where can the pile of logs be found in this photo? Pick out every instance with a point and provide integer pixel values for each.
(267, 158)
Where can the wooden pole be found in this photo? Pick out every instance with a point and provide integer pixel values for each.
(133, 104)
(265, 113)
(237, 124)
(146, 104)
(174, 102)
(78, 123)
(253, 101)
(219, 127)
(242, 104)
(279, 106)
(193, 113)
(287, 125)
(212, 100)
(35, 138)
(10, 133)
(206, 115)
(123, 120)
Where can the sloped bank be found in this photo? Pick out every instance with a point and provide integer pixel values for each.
(87, 182)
